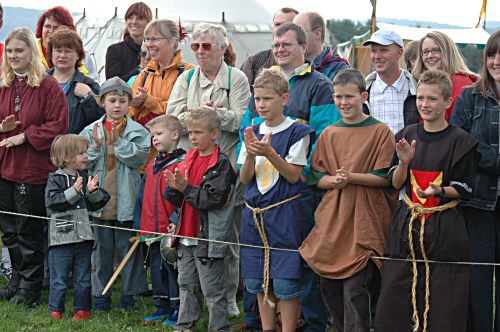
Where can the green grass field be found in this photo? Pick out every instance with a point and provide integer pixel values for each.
(18, 318)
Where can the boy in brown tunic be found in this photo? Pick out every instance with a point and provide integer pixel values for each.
(350, 162)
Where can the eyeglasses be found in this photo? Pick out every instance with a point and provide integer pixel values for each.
(432, 51)
(286, 46)
(153, 40)
(206, 46)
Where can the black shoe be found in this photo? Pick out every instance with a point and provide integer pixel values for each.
(27, 297)
(8, 292)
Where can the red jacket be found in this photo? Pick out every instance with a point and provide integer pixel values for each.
(156, 210)
(44, 115)
(458, 82)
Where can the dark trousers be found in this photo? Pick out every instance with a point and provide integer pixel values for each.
(483, 229)
(312, 306)
(66, 258)
(348, 300)
(23, 236)
(163, 279)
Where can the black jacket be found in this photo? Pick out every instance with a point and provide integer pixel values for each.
(210, 199)
(82, 112)
(123, 59)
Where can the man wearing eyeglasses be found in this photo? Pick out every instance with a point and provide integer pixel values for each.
(309, 101)
(254, 63)
(392, 90)
(323, 58)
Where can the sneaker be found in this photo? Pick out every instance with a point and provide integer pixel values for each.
(126, 302)
(157, 315)
(172, 318)
(5, 270)
(8, 292)
(57, 315)
(102, 303)
(27, 297)
(81, 315)
(232, 309)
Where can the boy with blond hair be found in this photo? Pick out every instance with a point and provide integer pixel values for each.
(272, 157)
(200, 186)
(350, 162)
(152, 214)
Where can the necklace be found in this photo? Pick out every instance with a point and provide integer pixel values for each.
(17, 99)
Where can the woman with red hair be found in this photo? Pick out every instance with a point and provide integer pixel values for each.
(123, 58)
(47, 23)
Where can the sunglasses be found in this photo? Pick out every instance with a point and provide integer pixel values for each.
(206, 46)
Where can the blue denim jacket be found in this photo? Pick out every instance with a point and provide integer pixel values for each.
(479, 116)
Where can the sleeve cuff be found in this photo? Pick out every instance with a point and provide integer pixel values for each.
(71, 195)
(96, 196)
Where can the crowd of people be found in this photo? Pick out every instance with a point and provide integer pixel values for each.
(337, 198)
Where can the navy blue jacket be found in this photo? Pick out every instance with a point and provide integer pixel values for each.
(479, 116)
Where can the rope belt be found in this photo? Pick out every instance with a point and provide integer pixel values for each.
(417, 210)
(258, 218)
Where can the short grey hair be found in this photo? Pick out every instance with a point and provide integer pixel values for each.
(166, 28)
(299, 32)
(217, 31)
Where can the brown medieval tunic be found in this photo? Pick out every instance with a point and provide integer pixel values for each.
(350, 223)
(445, 158)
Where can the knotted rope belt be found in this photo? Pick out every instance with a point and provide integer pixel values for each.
(258, 218)
(417, 210)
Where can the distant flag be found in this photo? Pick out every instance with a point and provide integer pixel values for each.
(374, 16)
(482, 15)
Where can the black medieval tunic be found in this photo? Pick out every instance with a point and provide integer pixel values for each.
(445, 158)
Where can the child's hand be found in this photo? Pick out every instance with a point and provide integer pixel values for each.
(344, 175)
(336, 182)
(139, 98)
(208, 105)
(176, 180)
(263, 147)
(115, 134)
(92, 184)
(78, 185)
(170, 228)
(249, 138)
(405, 151)
(96, 137)
(432, 190)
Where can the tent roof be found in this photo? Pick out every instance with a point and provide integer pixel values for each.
(463, 36)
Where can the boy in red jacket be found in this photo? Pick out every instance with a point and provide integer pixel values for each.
(153, 212)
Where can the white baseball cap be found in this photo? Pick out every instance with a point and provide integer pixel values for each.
(384, 37)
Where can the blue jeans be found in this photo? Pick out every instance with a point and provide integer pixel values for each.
(63, 259)
(283, 289)
(163, 279)
(311, 301)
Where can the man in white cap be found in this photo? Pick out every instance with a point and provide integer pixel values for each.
(392, 90)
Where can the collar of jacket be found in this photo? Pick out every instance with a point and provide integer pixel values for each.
(193, 154)
(154, 67)
(305, 71)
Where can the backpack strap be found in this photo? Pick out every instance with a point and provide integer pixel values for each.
(146, 74)
(190, 75)
(228, 81)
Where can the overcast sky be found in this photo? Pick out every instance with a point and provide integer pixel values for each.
(455, 12)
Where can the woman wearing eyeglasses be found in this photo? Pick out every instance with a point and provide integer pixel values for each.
(122, 59)
(65, 50)
(438, 51)
(154, 84)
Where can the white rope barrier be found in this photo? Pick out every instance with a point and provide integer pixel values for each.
(408, 260)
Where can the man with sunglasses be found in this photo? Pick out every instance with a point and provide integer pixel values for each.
(323, 58)
(254, 63)
(309, 101)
